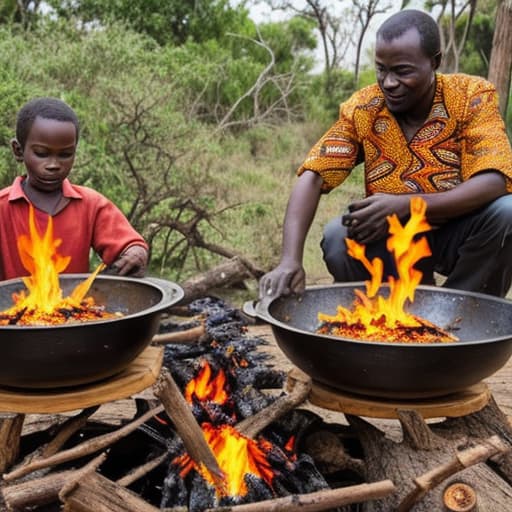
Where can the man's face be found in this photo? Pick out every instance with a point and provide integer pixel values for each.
(49, 153)
(405, 74)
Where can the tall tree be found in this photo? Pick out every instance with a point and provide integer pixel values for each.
(500, 66)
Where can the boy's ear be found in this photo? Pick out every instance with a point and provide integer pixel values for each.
(17, 150)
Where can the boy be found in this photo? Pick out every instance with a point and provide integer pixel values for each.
(47, 132)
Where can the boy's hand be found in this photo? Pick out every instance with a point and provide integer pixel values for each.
(132, 262)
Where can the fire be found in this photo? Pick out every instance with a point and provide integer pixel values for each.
(237, 457)
(44, 304)
(236, 454)
(205, 388)
(379, 318)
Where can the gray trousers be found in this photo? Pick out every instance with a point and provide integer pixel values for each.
(474, 252)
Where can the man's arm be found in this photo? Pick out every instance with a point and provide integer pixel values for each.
(465, 198)
(367, 219)
(289, 275)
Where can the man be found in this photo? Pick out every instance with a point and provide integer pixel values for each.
(419, 133)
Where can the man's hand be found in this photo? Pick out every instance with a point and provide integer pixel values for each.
(367, 222)
(285, 279)
(132, 262)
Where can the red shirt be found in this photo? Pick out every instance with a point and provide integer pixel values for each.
(89, 220)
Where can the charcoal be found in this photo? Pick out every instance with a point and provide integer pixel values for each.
(174, 351)
(260, 377)
(208, 305)
(225, 332)
(175, 493)
(201, 495)
(249, 401)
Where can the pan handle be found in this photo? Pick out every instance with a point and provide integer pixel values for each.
(173, 291)
(257, 309)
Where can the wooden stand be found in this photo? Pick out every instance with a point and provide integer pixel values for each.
(458, 404)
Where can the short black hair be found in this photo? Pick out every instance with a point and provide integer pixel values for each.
(402, 21)
(46, 108)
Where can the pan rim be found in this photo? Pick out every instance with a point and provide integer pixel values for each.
(266, 316)
(171, 293)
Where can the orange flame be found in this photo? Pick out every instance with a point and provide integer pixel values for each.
(205, 388)
(42, 303)
(374, 311)
(236, 455)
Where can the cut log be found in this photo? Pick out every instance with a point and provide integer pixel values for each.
(434, 447)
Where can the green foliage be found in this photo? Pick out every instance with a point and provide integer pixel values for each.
(477, 52)
(324, 106)
(169, 22)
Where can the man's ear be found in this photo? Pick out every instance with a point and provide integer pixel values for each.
(437, 60)
(17, 150)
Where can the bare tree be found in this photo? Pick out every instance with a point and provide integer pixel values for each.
(337, 28)
(452, 46)
(500, 66)
(283, 83)
(366, 10)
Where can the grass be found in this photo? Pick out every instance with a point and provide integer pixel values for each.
(259, 172)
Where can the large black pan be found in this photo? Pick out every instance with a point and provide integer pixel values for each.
(80, 353)
(395, 370)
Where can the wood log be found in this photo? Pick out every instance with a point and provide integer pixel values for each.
(223, 275)
(192, 335)
(11, 426)
(317, 501)
(94, 493)
(83, 449)
(186, 425)
(36, 492)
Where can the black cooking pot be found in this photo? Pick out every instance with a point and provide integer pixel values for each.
(395, 370)
(84, 352)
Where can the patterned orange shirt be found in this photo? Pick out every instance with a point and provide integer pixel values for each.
(464, 134)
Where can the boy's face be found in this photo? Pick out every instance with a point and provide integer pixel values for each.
(49, 153)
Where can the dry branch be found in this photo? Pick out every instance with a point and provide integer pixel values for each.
(230, 272)
(83, 449)
(317, 501)
(141, 471)
(250, 427)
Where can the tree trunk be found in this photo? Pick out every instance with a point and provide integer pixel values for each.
(500, 66)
